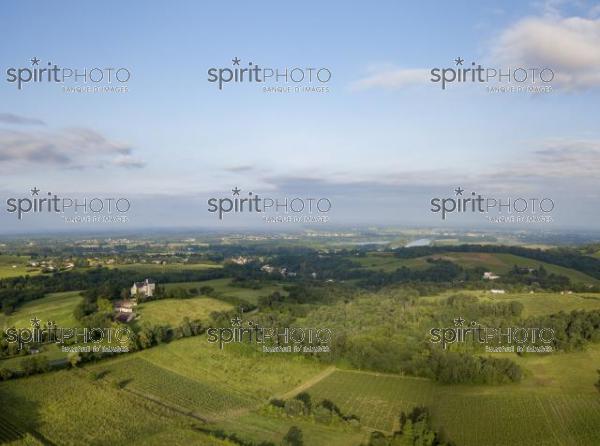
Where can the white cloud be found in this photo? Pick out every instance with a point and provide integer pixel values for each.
(569, 46)
(11, 118)
(74, 148)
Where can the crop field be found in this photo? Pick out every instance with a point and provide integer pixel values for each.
(56, 307)
(67, 408)
(556, 404)
(173, 311)
(376, 398)
(9, 432)
(523, 418)
(153, 381)
(261, 426)
(243, 369)
(148, 397)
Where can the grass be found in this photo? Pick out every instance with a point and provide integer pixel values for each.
(150, 268)
(242, 369)
(162, 389)
(497, 262)
(173, 311)
(56, 307)
(14, 266)
(556, 404)
(67, 408)
(148, 379)
(224, 288)
(261, 426)
(548, 303)
(376, 398)
(163, 392)
(536, 304)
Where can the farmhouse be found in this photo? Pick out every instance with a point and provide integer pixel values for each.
(145, 288)
(124, 306)
(488, 275)
(124, 309)
(267, 269)
(241, 260)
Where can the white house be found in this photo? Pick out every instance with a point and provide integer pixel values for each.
(497, 291)
(124, 306)
(267, 269)
(145, 288)
(488, 275)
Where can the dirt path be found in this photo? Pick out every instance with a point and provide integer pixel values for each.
(306, 384)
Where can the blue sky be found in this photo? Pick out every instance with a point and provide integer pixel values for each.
(376, 135)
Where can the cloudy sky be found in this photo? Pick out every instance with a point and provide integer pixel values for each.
(381, 143)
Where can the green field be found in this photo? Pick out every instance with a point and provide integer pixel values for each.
(57, 307)
(158, 395)
(535, 304)
(13, 266)
(173, 311)
(376, 398)
(548, 303)
(497, 262)
(224, 288)
(556, 404)
(68, 408)
(150, 380)
(150, 268)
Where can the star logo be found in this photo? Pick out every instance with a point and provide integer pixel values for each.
(459, 191)
(35, 61)
(35, 322)
(236, 191)
(236, 321)
(236, 61)
(459, 61)
(459, 321)
(35, 191)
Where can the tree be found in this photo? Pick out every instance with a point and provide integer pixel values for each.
(293, 437)
(305, 398)
(294, 408)
(5, 374)
(598, 383)
(74, 359)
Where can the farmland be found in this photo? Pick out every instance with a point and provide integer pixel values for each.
(175, 387)
(535, 304)
(555, 398)
(224, 288)
(13, 266)
(500, 263)
(152, 381)
(91, 412)
(56, 307)
(152, 268)
(172, 311)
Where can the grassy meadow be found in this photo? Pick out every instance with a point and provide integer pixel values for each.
(499, 263)
(14, 266)
(172, 311)
(224, 288)
(56, 307)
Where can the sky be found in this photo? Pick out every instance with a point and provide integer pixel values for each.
(380, 144)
